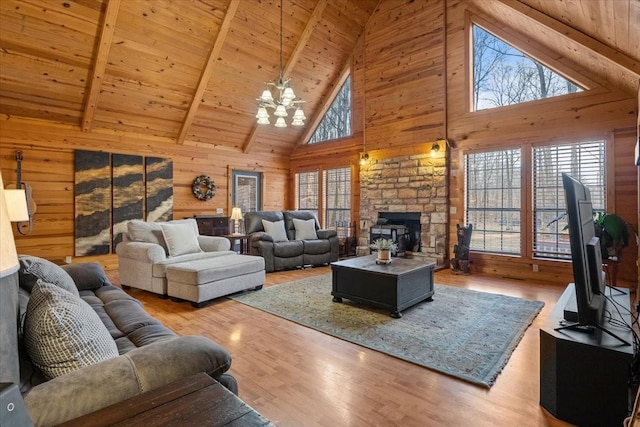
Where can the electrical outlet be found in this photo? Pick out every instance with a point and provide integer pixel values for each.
(535, 268)
(68, 259)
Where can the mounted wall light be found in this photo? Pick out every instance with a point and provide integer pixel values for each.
(434, 149)
(364, 159)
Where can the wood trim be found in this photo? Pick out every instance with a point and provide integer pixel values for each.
(614, 56)
(208, 69)
(293, 59)
(97, 76)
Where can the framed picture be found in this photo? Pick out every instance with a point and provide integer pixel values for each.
(246, 190)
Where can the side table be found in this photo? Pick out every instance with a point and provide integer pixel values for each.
(244, 242)
(198, 400)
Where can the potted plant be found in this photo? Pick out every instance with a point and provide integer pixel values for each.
(614, 233)
(384, 247)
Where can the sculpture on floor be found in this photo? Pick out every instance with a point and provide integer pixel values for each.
(460, 264)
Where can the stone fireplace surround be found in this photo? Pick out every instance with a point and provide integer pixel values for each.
(407, 183)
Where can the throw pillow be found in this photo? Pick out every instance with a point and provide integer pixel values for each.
(63, 333)
(305, 229)
(276, 230)
(180, 238)
(33, 269)
(146, 232)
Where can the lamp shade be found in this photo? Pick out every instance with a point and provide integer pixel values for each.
(16, 200)
(236, 213)
(8, 254)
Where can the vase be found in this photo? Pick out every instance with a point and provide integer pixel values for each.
(384, 255)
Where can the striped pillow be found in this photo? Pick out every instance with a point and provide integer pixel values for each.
(63, 333)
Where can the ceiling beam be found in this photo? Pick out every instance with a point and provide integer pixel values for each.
(614, 56)
(207, 72)
(293, 59)
(95, 82)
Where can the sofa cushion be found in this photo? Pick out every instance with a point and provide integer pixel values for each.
(317, 247)
(180, 239)
(87, 275)
(305, 229)
(146, 232)
(276, 230)
(63, 333)
(288, 249)
(33, 269)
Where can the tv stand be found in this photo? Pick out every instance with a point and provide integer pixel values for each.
(584, 377)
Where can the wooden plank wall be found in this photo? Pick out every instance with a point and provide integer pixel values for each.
(48, 167)
(601, 112)
(405, 79)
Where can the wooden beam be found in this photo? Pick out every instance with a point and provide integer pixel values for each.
(612, 55)
(207, 72)
(293, 59)
(95, 82)
(304, 38)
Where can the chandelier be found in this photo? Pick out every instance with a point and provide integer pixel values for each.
(283, 101)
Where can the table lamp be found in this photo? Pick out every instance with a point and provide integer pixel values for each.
(8, 256)
(16, 200)
(236, 216)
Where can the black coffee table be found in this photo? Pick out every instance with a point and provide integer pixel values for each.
(396, 286)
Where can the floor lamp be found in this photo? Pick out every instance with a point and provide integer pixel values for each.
(13, 412)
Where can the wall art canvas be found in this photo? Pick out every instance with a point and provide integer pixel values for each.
(128, 193)
(92, 202)
(159, 190)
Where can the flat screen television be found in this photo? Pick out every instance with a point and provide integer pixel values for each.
(585, 256)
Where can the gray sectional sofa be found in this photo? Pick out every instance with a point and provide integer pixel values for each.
(82, 344)
(290, 239)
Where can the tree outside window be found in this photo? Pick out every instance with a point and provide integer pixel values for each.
(503, 75)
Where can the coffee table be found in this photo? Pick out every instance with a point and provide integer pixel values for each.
(396, 286)
(197, 400)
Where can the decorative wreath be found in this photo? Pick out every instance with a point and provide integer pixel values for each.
(203, 188)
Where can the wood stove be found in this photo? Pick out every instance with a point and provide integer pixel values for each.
(401, 227)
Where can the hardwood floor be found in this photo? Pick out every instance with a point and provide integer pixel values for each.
(296, 376)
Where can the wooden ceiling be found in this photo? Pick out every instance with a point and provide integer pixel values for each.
(188, 71)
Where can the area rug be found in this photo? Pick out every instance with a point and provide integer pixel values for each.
(463, 333)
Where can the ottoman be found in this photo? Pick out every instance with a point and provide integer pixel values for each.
(202, 280)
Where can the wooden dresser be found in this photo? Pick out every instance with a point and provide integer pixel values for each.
(212, 225)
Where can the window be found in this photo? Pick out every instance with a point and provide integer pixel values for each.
(246, 190)
(336, 122)
(493, 200)
(337, 197)
(307, 191)
(502, 75)
(584, 161)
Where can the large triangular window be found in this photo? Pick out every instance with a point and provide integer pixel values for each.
(336, 122)
(503, 75)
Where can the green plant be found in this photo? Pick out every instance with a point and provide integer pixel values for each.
(614, 233)
(384, 245)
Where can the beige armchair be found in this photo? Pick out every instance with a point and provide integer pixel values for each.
(148, 248)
